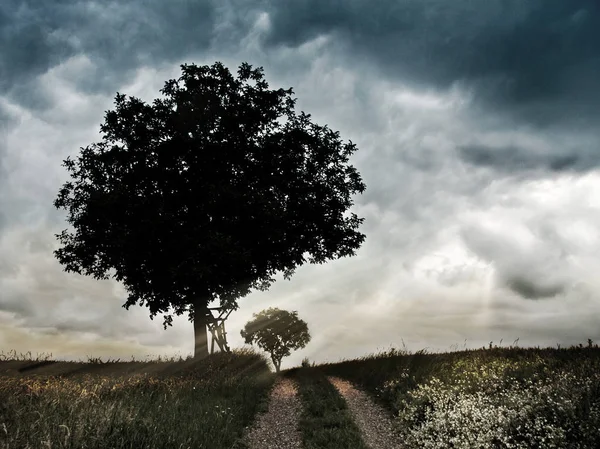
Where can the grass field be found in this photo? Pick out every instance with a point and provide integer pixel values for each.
(166, 404)
(487, 398)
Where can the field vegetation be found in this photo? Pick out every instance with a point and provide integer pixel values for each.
(487, 398)
(159, 404)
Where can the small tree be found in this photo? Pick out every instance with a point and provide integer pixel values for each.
(276, 332)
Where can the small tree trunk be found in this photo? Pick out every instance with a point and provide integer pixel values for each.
(276, 364)
(200, 329)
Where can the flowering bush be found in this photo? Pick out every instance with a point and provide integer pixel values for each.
(503, 413)
(498, 398)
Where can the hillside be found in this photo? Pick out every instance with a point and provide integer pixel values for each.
(496, 397)
(487, 398)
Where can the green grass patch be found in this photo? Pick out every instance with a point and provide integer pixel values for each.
(492, 398)
(325, 422)
(185, 405)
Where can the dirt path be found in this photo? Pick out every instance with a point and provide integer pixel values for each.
(374, 423)
(278, 427)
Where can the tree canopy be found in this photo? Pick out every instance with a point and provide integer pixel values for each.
(207, 193)
(277, 332)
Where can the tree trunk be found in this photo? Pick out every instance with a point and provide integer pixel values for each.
(276, 364)
(200, 329)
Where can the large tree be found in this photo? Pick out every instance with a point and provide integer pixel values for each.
(277, 332)
(206, 194)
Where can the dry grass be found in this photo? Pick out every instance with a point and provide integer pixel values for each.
(128, 405)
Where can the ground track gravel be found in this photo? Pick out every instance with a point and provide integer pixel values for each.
(278, 427)
(374, 423)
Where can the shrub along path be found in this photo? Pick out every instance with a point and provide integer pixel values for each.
(373, 421)
(278, 427)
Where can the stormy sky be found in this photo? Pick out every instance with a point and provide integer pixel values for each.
(478, 131)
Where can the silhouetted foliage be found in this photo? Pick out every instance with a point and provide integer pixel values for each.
(276, 332)
(207, 193)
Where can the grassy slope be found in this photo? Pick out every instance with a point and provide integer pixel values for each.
(498, 397)
(131, 405)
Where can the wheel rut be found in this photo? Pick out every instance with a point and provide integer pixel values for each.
(278, 427)
(373, 421)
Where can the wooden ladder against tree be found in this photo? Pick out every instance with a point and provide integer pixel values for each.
(216, 325)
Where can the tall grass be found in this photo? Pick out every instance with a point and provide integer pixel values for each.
(489, 398)
(202, 405)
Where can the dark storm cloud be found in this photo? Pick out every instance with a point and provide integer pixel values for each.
(540, 59)
(533, 289)
(536, 59)
(535, 271)
(514, 159)
(118, 36)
